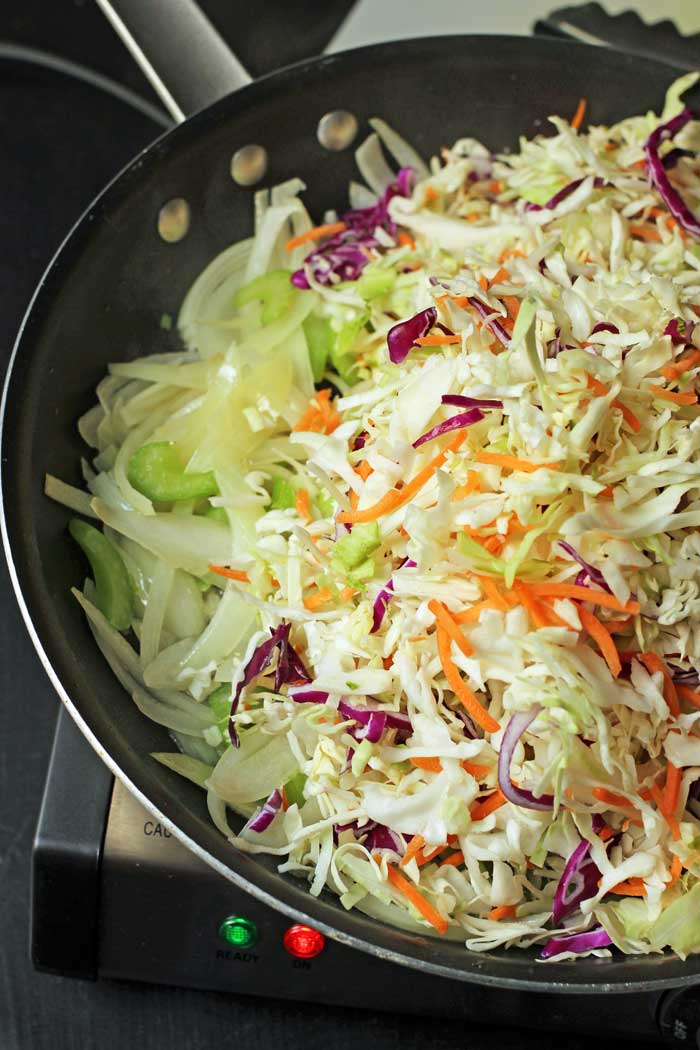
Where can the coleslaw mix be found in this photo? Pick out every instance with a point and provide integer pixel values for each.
(403, 547)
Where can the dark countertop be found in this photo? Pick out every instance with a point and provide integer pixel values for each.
(61, 143)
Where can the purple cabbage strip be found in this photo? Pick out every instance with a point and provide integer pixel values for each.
(402, 337)
(576, 942)
(688, 678)
(579, 880)
(470, 402)
(374, 836)
(590, 571)
(554, 346)
(385, 596)
(514, 730)
(670, 159)
(376, 725)
(394, 719)
(657, 175)
(458, 422)
(562, 194)
(470, 729)
(290, 670)
(308, 696)
(343, 256)
(605, 326)
(261, 820)
(680, 330)
(486, 313)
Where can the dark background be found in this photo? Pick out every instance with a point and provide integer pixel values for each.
(60, 141)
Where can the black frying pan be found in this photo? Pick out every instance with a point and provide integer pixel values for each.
(101, 298)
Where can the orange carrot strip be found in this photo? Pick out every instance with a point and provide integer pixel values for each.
(483, 281)
(654, 663)
(499, 459)
(425, 858)
(602, 638)
(415, 845)
(532, 606)
(473, 484)
(477, 771)
(459, 300)
(512, 305)
(454, 859)
(488, 805)
(326, 230)
(444, 619)
(230, 574)
(416, 899)
(492, 592)
(611, 798)
(671, 788)
(471, 615)
(678, 398)
(659, 798)
(688, 694)
(506, 911)
(676, 869)
(347, 593)
(459, 687)
(500, 276)
(583, 594)
(646, 233)
(438, 339)
(631, 888)
(394, 498)
(302, 505)
(677, 369)
(364, 470)
(406, 239)
(551, 618)
(601, 391)
(431, 194)
(432, 765)
(315, 601)
(606, 833)
(577, 119)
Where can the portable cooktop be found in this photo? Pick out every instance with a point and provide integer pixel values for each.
(116, 896)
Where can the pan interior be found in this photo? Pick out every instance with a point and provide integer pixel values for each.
(102, 299)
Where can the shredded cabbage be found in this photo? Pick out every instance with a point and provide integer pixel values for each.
(262, 487)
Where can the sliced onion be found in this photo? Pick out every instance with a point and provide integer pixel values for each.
(658, 177)
(589, 571)
(680, 330)
(402, 337)
(514, 730)
(576, 942)
(376, 725)
(487, 313)
(261, 820)
(470, 402)
(458, 422)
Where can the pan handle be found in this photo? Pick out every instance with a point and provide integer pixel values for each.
(178, 49)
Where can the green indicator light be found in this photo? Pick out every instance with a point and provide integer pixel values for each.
(238, 932)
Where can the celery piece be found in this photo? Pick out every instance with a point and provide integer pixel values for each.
(114, 594)
(354, 548)
(274, 290)
(294, 789)
(281, 494)
(342, 359)
(220, 702)
(319, 338)
(373, 284)
(155, 470)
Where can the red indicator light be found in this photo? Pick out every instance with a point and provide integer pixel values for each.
(303, 943)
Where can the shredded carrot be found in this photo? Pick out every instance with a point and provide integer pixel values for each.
(601, 391)
(678, 397)
(471, 615)
(499, 459)
(432, 765)
(301, 504)
(611, 798)
(438, 339)
(492, 592)
(230, 574)
(459, 300)
(500, 276)
(510, 253)
(274, 581)
(506, 911)
(387, 661)
(394, 498)
(631, 888)
(688, 694)
(315, 601)
(671, 788)
(473, 484)
(406, 239)
(512, 305)
(653, 664)
(444, 619)
(647, 233)
(550, 617)
(494, 544)
(613, 626)
(458, 686)
(598, 388)
(606, 833)
(454, 859)
(364, 469)
(582, 594)
(488, 805)
(475, 770)
(531, 605)
(425, 858)
(676, 869)
(319, 417)
(602, 638)
(431, 194)
(285, 800)
(416, 899)
(414, 846)
(659, 798)
(577, 119)
(326, 230)
(684, 364)
(347, 593)
(496, 186)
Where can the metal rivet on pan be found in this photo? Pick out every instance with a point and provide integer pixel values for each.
(337, 129)
(248, 165)
(174, 220)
